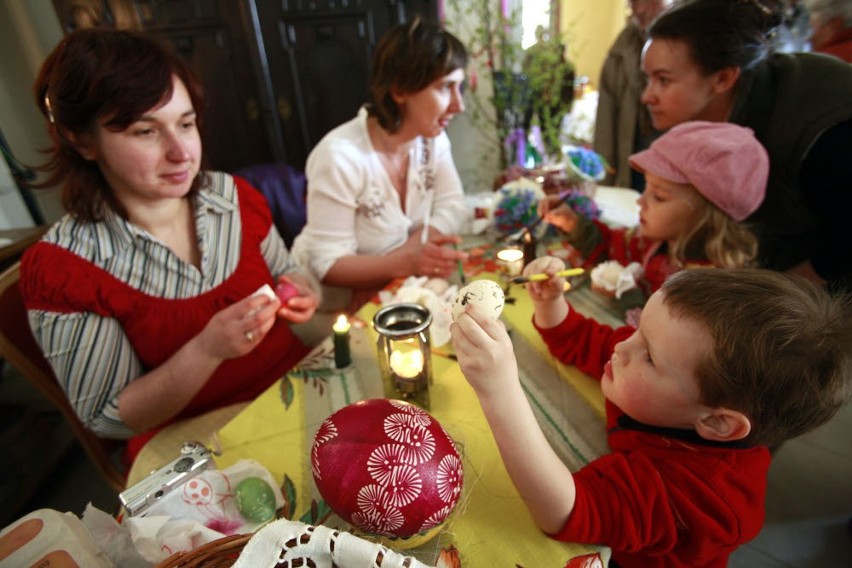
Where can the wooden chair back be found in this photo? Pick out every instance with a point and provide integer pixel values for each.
(19, 348)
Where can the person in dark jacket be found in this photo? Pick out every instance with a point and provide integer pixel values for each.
(712, 60)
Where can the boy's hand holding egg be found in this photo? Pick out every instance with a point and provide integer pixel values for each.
(480, 341)
(485, 296)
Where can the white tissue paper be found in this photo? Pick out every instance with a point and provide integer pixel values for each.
(612, 277)
(435, 294)
(112, 538)
(201, 510)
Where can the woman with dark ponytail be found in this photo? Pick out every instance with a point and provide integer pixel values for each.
(712, 60)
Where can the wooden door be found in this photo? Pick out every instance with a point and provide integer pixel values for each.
(277, 74)
(215, 37)
(318, 54)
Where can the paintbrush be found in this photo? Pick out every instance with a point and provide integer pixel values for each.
(460, 267)
(568, 272)
(517, 236)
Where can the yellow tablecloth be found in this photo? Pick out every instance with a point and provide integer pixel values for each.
(491, 525)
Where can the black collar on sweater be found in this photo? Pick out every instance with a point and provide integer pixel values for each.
(625, 422)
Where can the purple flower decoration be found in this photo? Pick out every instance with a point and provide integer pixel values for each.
(582, 204)
(515, 209)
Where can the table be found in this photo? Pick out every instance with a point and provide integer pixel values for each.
(491, 525)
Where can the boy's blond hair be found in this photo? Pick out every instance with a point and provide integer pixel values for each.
(782, 346)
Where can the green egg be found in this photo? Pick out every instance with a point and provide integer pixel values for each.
(255, 500)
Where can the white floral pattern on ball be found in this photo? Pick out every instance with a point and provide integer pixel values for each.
(387, 467)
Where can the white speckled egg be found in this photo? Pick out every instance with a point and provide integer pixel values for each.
(485, 295)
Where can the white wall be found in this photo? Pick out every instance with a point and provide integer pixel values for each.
(28, 31)
(13, 212)
(474, 150)
(591, 26)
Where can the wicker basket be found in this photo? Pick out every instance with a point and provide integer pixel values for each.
(220, 553)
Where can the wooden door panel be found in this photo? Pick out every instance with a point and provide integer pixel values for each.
(319, 55)
(319, 72)
(213, 37)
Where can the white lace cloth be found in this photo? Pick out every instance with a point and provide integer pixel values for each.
(287, 543)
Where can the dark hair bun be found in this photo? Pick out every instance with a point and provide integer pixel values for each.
(765, 15)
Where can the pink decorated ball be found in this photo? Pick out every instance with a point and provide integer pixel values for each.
(387, 467)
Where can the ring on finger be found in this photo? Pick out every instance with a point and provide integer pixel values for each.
(249, 336)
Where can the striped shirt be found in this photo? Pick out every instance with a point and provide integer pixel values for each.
(90, 354)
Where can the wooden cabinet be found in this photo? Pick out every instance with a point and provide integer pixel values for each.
(278, 74)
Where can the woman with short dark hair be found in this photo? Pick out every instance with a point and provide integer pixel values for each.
(384, 196)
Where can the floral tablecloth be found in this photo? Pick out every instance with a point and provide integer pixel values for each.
(491, 525)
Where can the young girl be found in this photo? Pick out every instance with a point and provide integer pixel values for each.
(702, 179)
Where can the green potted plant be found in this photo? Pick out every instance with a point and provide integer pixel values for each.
(528, 86)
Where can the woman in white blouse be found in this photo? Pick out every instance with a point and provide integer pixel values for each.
(384, 197)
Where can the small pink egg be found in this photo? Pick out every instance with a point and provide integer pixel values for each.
(285, 291)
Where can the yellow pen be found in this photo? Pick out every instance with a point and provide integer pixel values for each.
(542, 276)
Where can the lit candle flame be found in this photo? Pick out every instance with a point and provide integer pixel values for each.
(406, 365)
(510, 255)
(341, 325)
(512, 261)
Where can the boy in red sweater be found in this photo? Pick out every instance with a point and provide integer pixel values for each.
(725, 364)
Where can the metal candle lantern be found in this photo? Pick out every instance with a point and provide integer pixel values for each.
(405, 358)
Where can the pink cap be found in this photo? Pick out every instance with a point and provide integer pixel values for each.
(723, 161)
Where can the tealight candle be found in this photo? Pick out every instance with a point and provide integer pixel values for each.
(342, 357)
(406, 364)
(512, 261)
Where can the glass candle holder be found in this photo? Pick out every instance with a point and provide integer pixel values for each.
(405, 358)
(511, 261)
